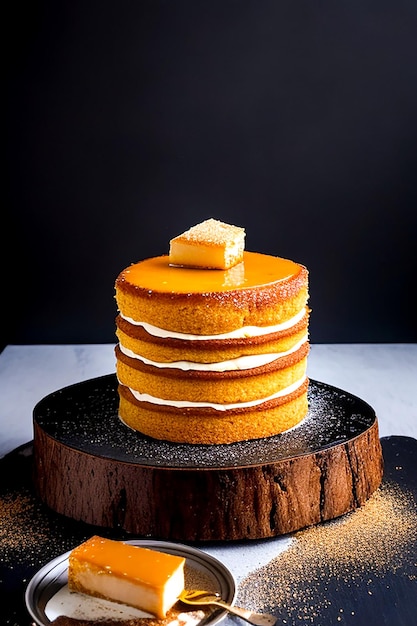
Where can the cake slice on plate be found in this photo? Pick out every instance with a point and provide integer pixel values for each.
(146, 579)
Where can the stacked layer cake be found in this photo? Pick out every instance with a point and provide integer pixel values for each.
(213, 340)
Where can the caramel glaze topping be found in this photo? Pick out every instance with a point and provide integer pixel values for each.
(127, 561)
(256, 270)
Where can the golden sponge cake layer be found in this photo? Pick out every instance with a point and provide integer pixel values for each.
(219, 387)
(266, 290)
(208, 426)
(167, 349)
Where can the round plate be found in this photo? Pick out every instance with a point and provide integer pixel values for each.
(47, 595)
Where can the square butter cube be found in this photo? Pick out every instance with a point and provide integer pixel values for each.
(211, 244)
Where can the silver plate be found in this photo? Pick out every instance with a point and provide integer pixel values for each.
(47, 595)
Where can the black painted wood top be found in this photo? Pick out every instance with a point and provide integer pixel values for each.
(85, 416)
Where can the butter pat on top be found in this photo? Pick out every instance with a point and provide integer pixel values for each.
(146, 579)
(211, 245)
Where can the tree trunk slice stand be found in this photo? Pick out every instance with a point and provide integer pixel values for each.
(91, 467)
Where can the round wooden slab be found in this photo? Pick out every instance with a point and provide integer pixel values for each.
(90, 467)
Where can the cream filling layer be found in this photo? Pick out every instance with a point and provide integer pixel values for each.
(239, 333)
(182, 404)
(240, 363)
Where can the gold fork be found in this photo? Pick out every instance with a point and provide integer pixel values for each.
(197, 597)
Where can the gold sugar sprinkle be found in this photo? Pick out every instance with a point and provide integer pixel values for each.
(18, 512)
(375, 539)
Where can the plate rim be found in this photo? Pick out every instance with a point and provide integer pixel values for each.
(179, 548)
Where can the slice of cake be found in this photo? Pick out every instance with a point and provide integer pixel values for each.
(212, 355)
(140, 577)
(211, 245)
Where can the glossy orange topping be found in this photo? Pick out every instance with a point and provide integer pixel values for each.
(156, 274)
(146, 566)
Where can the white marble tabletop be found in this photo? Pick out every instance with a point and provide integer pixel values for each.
(384, 375)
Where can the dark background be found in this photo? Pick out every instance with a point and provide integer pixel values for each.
(128, 122)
